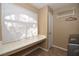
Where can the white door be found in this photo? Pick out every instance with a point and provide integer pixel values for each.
(50, 30)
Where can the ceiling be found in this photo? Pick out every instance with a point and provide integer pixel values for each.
(52, 5)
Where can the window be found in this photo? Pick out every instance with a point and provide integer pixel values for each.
(20, 25)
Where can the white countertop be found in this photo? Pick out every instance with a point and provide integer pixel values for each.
(6, 49)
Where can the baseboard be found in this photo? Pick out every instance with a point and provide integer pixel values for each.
(59, 47)
(31, 51)
(44, 49)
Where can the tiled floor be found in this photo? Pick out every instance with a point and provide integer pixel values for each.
(51, 52)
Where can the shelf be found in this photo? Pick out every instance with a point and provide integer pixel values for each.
(66, 13)
(25, 52)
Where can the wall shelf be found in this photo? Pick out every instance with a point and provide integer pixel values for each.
(66, 13)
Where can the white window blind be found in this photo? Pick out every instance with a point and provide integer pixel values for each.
(18, 23)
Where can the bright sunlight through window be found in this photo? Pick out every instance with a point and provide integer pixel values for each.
(18, 23)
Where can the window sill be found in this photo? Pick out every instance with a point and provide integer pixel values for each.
(13, 47)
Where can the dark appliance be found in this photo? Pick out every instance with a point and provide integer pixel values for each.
(73, 46)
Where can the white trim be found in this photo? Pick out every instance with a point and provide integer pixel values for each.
(30, 51)
(44, 49)
(59, 47)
